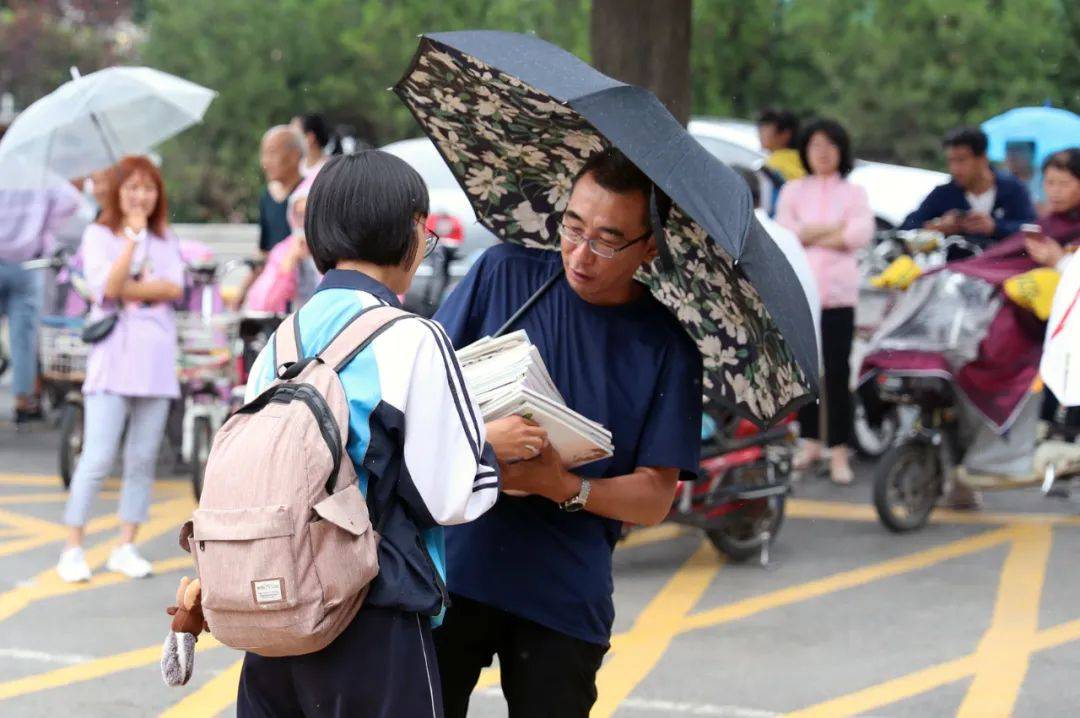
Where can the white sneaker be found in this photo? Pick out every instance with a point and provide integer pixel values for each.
(126, 560)
(72, 566)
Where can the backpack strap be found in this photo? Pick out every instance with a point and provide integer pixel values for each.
(361, 330)
(287, 348)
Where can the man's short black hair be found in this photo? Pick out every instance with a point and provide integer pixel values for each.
(752, 180)
(837, 135)
(315, 124)
(783, 121)
(614, 171)
(971, 137)
(365, 207)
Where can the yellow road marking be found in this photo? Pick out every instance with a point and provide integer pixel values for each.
(1004, 653)
(846, 579)
(90, 670)
(30, 524)
(212, 698)
(52, 497)
(11, 532)
(29, 480)
(640, 648)
(163, 518)
(842, 511)
(814, 589)
(912, 684)
(927, 679)
(653, 534)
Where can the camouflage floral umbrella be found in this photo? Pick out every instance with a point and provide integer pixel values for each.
(515, 118)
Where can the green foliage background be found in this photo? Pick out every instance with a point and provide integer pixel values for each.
(898, 73)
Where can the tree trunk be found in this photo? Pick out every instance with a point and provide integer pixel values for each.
(646, 43)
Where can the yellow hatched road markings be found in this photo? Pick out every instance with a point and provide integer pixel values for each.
(164, 517)
(640, 648)
(845, 580)
(53, 497)
(97, 668)
(1003, 655)
(998, 665)
(210, 699)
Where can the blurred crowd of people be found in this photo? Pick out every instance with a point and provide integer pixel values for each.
(832, 220)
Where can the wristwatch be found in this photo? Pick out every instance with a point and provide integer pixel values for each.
(577, 503)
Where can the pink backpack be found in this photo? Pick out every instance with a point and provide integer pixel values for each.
(282, 541)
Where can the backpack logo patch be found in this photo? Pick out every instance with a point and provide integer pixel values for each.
(268, 590)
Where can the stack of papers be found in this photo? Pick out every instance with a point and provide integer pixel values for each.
(507, 377)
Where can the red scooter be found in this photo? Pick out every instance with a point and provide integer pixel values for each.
(739, 497)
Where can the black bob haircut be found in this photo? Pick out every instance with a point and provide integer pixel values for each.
(837, 135)
(1064, 160)
(365, 207)
(971, 137)
(614, 171)
(783, 121)
(315, 124)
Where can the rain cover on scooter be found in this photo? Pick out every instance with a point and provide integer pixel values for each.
(946, 313)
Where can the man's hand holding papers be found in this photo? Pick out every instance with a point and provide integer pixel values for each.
(507, 377)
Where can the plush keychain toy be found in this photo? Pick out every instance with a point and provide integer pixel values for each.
(178, 653)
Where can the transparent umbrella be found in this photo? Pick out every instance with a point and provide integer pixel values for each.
(88, 123)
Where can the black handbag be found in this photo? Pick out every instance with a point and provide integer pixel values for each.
(96, 331)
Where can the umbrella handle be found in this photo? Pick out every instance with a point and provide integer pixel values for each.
(529, 303)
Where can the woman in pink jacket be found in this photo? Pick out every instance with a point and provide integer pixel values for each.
(833, 220)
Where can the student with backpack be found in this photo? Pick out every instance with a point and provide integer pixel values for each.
(318, 538)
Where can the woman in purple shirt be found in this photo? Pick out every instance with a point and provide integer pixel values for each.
(132, 263)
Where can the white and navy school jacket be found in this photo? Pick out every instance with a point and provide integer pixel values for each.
(416, 437)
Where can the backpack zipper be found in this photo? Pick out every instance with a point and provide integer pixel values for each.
(328, 427)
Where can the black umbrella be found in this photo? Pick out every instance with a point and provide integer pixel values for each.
(515, 118)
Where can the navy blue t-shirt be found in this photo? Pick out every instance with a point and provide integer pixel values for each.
(633, 369)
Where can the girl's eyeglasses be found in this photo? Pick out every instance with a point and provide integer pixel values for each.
(431, 241)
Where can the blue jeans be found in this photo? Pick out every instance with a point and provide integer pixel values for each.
(105, 416)
(20, 301)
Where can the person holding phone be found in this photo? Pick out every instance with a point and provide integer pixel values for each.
(1053, 240)
(980, 203)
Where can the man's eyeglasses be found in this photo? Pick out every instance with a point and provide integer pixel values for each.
(575, 236)
(431, 241)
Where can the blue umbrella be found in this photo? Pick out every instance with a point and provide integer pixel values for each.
(1049, 128)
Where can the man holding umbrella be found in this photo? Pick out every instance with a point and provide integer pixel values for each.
(531, 581)
(661, 288)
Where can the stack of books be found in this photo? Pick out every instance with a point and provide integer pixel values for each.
(507, 377)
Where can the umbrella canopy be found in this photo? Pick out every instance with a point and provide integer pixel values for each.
(516, 118)
(1049, 128)
(1060, 366)
(89, 123)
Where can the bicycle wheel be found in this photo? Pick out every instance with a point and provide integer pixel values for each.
(71, 439)
(907, 486)
(742, 534)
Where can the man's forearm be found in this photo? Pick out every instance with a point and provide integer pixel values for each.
(643, 497)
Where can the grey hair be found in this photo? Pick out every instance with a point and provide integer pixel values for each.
(296, 140)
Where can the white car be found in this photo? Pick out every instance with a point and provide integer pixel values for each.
(894, 190)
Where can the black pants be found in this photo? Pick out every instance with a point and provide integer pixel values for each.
(837, 334)
(382, 666)
(544, 673)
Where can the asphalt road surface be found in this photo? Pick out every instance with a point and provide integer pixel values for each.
(977, 615)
